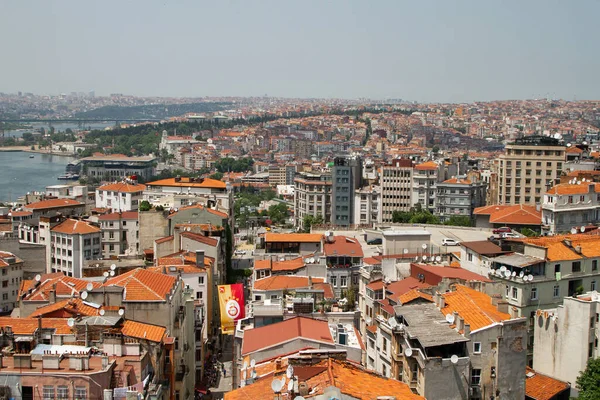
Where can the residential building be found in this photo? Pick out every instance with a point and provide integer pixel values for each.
(11, 275)
(367, 206)
(528, 166)
(66, 207)
(343, 256)
(312, 196)
(346, 177)
(516, 217)
(111, 167)
(396, 183)
(281, 175)
(570, 205)
(459, 197)
(120, 234)
(77, 192)
(424, 186)
(476, 256)
(540, 386)
(295, 243)
(275, 286)
(69, 244)
(122, 196)
(566, 337)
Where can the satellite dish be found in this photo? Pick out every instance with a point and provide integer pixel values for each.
(438, 259)
(502, 268)
(289, 372)
(573, 231)
(243, 374)
(408, 352)
(450, 318)
(405, 251)
(582, 228)
(84, 295)
(105, 274)
(112, 273)
(416, 258)
(253, 374)
(454, 359)
(276, 386)
(89, 287)
(507, 273)
(121, 311)
(514, 273)
(282, 381)
(424, 258)
(290, 386)
(424, 246)
(71, 322)
(392, 322)
(252, 363)
(521, 274)
(102, 312)
(529, 277)
(113, 267)
(38, 278)
(245, 365)
(431, 259)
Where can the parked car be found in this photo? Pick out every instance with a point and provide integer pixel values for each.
(510, 235)
(375, 241)
(449, 242)
(504, 229)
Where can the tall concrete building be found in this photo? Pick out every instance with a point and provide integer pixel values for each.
(346, 176)
(396, 188)
(528, 166)
(459, 197)
(312, 196)
(425, 178)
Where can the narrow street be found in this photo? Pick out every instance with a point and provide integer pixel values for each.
(223, 384)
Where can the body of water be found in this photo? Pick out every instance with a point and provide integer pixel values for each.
(20, 174)
(59, 127)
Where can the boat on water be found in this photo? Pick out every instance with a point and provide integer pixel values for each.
(68, 177)
(31, 156)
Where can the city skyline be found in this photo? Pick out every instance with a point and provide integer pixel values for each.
(427, 53)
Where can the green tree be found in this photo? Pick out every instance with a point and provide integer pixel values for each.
(278, 213)
(145, 205)
(459, 220)
(528, 232)
(217, 175)
(588, 383)
(308, 221)
(401, 217)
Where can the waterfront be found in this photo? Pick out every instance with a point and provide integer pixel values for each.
(20, 174)
(59, 127)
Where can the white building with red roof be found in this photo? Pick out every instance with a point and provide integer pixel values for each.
(120, 196)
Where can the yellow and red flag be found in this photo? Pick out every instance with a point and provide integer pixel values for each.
(231, 301)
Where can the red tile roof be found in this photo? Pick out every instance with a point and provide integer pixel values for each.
(144, 285)
(543, 387)
(196, 237)
(434, 274)
(20, 213)
(398, 288)
(123, 187)
(54, 203)
(327, 289)
(164, 239)
(139, 330)
(200, 207)
(292, 237)
(458, 181)
(128, 215)
(66, 308)
(65, 286)
(519, 214)
(343, 246)
(75, 227)
(271, 335)
(280, 282)
(376, 285)
(474, 307)
(287, 265)
(185, 182)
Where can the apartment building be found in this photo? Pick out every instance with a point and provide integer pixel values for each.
(566, 337)
(312, 196)
(346, 174)
(11, 275)
(459, 197)
(424, 186)
(396, 183)
(69, 244)
(120, 233)
(527, 168)
(570, 205)
(121, 196)
(367, 205)
(281, 175)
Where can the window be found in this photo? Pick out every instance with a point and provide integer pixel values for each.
(593, 286)
(384, 345)
(533, 293)
(87, 242)
(594, 265)
(48, 392)
(475, 377)
(383, 370)
(556, 268)
(111, 235)
(576, 266)
(514, 293)
(507, 290)
(198, 295)
(334, 281)
(62, 392)
(470, 256)
(556, 291)
(343, 281)
(200, 280)
(477, 347)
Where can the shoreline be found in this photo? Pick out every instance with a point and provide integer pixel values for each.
(25, 149)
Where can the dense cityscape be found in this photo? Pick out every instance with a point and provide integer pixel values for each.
(254, 248)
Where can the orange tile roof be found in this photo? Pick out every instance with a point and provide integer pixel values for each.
(326, 288)
(144, 285)
(139, 330)
(343, 246)
(182, 258)
(474, 307)
(292, 237)
(458, 181)
(75, 227)
(123, 187)
(351, 379)
(413, 295)
(164, 239)
(184, 182)
(28, 326)
(66, 308)
(280, 332)
(519, 214)
(287, 265)
(196, 237)
(65, 286)
(427, 166)
(396, 289)
(371, 261)
(281, 282)
(567, 188)
(558, 250)
(543, 387)
(20, 213)
(574, 150)
(128, 215)
(376, 285)
(200, 207)
(54, 203)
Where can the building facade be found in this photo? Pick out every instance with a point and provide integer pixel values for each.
(396, 188)
(120, 234)
(70, 244)
(11, 275)
(122, 196)
(570, 205)
(312, 196)
(367, 205)
(459, 197)
(346, 176)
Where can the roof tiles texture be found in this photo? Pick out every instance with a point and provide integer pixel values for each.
(292, 237)
(474, 307)
(53, 203)
(123, 187)
(281, 282)
(75, 227)
(343, 246)
(139, 330)
(144, 285)
(542, 387)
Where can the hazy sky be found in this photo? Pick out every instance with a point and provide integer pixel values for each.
(415, 50)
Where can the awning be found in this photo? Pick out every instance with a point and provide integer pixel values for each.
(24, 339)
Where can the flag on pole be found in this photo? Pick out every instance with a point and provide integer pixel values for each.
(231, 302)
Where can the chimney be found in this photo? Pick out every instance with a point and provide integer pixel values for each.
(52, 294)
(310, 282)
(467, 330)
(278, 364)
(199, 258)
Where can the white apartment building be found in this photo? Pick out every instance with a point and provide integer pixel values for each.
(11, 275)
(367, 205)
(569, 205)
(312, 196)
(527, 167)
(424, 186)
(567, 337)
(122, 196)
(458, 197)
(396, 183)
(70, 244)
(120, 234)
